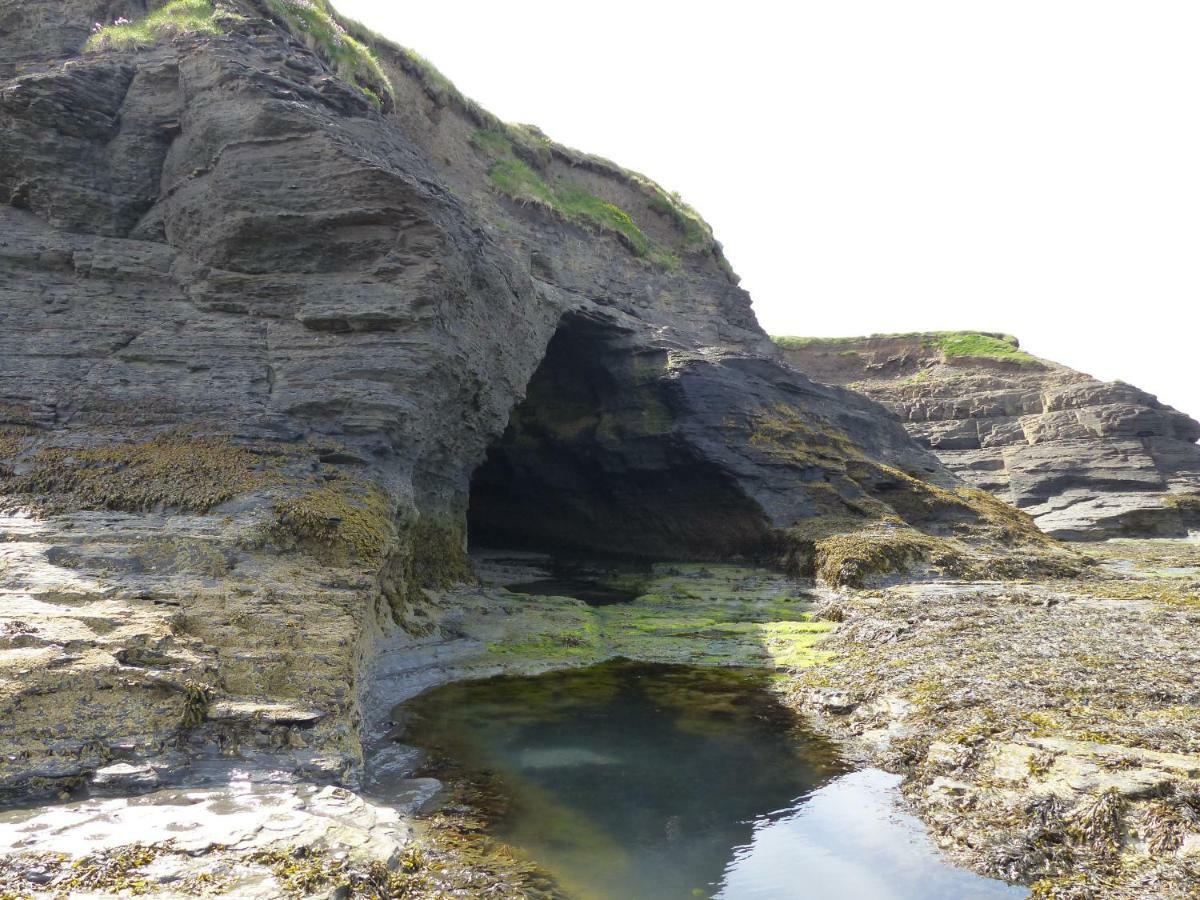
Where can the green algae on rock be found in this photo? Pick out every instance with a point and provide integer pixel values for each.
(687, 613)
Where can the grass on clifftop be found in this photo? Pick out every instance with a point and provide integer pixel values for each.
(312, 19)
(951, 344)
(535, 147)
(175, 18)
(353, 59)
(520, 181)
(981, 346)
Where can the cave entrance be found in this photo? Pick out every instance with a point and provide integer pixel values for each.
(596, 460)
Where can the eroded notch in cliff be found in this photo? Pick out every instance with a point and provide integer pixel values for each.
(592, 461)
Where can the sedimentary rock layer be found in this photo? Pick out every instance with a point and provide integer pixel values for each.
(1086, 459)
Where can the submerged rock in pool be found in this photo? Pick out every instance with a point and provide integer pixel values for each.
(563, 757)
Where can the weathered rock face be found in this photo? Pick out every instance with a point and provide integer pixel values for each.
(259, 326)
(668, 453)
(1086, 459)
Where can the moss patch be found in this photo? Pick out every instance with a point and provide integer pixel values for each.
(438, 555)
(703, 615)
(786, 434)
(851, 559)
(985, 538)
(343, 521)
(870, 519)
(168, 21)
(172, 471)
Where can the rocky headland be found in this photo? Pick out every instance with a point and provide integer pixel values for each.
(285, 318)
(1086, 459)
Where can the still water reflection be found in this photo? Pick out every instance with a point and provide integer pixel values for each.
(628, 780)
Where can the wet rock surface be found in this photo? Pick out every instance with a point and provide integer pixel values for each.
(1048, 732)
(1086, 459)
(1013, 710)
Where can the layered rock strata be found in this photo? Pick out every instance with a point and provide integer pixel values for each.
(1086, 459)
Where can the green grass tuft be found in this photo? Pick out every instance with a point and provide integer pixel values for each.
(787, 340)
(951, 344)
(353, 60)
(168, 21)
(577, 203)
(569, 199)
(491, 142)
(521, 182)
(982, 346)
(433, 77)
(693, 229)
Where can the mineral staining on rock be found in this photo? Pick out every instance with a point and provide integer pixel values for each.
(1085, 459)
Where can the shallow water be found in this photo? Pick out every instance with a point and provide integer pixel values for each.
(628, 780)
(593, 583)
(592, 592)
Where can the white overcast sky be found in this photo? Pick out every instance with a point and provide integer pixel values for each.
(1031, 166)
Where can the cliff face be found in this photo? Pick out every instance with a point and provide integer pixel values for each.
(269, 299)
(1086, 459)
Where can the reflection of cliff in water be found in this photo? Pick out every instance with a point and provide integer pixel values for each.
(634, 780)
